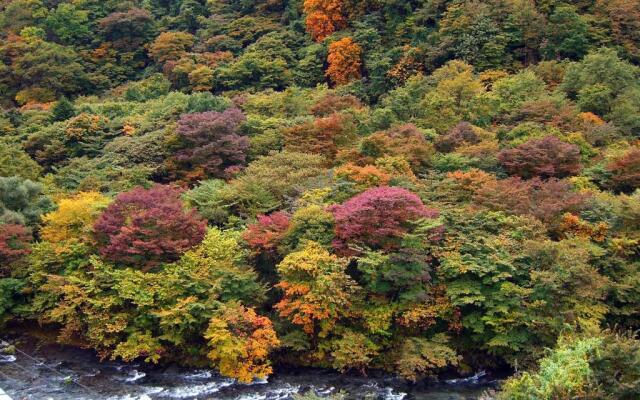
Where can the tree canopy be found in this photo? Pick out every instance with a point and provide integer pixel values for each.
(415, 187)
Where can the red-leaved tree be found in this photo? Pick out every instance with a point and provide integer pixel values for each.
(625, 171)
(267, 233)
(546, 200)
(377, 218)
(146, 227)
(14, 243)
(457, 136)
(547, 157)
(213, 144)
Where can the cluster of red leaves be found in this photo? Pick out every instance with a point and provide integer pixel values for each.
(145, 227)
(457, 136)
(14, 242)
(545, 200)
(213, 143)
(547, 157)
(625, 171)
(377, 218)
(546, 111)
(267, 233)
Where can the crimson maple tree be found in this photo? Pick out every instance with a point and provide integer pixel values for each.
(377, 218)
(146, 227)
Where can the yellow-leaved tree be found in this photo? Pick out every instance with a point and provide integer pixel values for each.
(72, 222)
(317, 290)
(240, 342)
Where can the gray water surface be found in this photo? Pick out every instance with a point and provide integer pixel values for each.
(65, 373)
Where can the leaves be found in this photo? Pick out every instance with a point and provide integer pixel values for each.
(240, 342)
(214, 145)
(547, 157)
(73, 220)
(410, 186)
(323, 17)
(147, 227)
(317, 291)
(377, 218)
(344, 61)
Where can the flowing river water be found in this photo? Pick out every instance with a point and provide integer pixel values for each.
(64, 373)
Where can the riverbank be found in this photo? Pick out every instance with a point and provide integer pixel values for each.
(49, 371)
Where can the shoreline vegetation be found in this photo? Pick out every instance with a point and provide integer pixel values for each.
(411, 186)
(76, 372)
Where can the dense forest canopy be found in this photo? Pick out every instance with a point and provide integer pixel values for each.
(414, 186)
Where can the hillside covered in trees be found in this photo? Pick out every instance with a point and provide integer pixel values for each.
(413, 186)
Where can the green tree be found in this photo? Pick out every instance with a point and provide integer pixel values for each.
(605, 84)
(22, 201)
(69, 24)
(567, 35)
(63, 110)
(14, 161)
(50, 66)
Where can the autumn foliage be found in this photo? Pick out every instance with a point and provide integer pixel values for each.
(403, 140)
(459, 135)
(410, 187)
(547, 157)
(324, 17)
(332, 104)
(240, 342)
(316, 289)
(345, 61)
(127, 29)
(363, 177)
(321, 136)
(377, 218)
(214, 145)
(72, 222)
(14, 243)
(170, 46)
(625, 171)
(145, 227)
(267, 233)
(546, 200)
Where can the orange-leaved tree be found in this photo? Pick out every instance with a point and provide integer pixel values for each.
(324, 17)
(317, 289)
(170, 46)
(240, 342)
(345, 60)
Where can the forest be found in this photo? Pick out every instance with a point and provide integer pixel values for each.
(408, 186)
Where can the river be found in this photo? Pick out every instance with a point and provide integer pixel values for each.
(52, 372)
